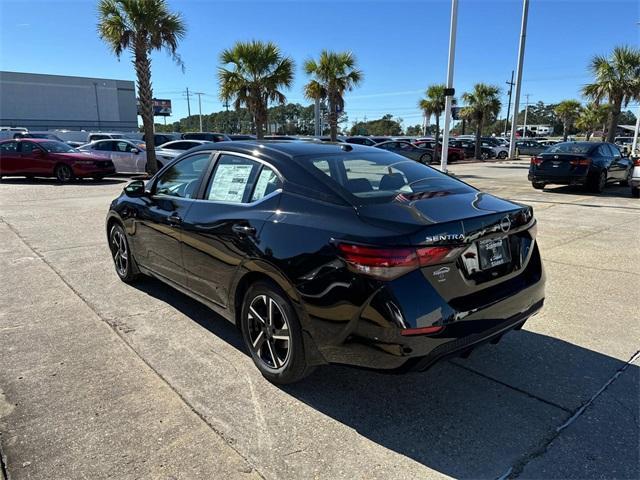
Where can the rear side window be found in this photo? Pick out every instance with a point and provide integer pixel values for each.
(379, 177)
(183, 178)
(9, 147)
(267, 182)
(232, 179)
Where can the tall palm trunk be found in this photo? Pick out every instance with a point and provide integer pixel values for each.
(142, 65)
(435, 147)
(333, 118)
(564, 131)
(477, 153)
(614, 116)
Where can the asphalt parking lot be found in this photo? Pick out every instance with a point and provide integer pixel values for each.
(99, 379)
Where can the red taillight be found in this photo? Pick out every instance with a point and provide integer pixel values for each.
(388, 263)
(420, 331)
(636, 162)
(536, 161)
(581, 162)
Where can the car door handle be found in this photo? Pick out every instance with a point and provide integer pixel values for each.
(174, 219)
(243, 229)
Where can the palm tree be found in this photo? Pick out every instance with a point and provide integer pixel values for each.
(568, 111)
(592, 117)
(258, 72)
(483, 103)
(334, 74)
(434, 105)
(616, 80)
(141, 26)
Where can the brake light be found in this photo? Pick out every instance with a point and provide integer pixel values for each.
(537, 161)
(582, 162)
(421, 331)
(636, 162)
(387, 263)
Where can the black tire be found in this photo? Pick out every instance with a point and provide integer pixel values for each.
(502, 155)
(635, 192)
(599, 182)
(63, 173)
(538, 185)
(274, 339)
(123, 260)
(484, 156)
(426, 158)
(627, 180)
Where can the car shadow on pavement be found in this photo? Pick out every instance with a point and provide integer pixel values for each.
(610, 191)
(466, 418)
(53, 181)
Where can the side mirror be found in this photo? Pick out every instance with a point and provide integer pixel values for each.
(135, 189)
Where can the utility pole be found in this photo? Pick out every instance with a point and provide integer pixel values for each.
(449, 90)
(526, 110)
(516, 103)
(511, 84)
(187, 94)
(199, 94)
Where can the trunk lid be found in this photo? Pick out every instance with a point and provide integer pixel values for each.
(559, 164)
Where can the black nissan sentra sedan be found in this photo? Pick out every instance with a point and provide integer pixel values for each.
(332, 253)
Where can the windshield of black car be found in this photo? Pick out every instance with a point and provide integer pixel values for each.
(570, 147)
(57, 147)
(373, 177)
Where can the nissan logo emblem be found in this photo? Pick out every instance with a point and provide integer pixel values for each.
(505, 224)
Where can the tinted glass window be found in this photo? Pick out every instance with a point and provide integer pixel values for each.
(9, 147)
(266, 183)
(570, 147)
(182, 145)
(182, 179)
(380, 176)
(232, 179)
(123, 147)
(28, 147)
(57, 147)
(105, 146)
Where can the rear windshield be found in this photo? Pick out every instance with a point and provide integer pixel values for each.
(380, 177)
(570, 147)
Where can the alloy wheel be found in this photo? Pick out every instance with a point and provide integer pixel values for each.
(63, 173)
(269, 332)
(120, 253)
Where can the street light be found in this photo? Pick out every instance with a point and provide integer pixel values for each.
(449, 90)
(516, 104)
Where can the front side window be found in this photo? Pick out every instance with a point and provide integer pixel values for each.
(28, 147)
(182, 179)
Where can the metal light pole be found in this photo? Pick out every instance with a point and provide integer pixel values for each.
(449, 92)
(199, 106)
(516, 103)
(634, 145)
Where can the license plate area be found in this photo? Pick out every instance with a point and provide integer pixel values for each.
(493, 252)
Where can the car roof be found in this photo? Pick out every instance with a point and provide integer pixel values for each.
(282, 148)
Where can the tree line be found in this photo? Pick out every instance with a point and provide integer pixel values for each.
(253, 76)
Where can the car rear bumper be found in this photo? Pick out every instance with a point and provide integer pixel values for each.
(559, 179)
(374, 339)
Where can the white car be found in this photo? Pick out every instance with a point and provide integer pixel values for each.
(635, 178)
(126, 155)
(170, 150)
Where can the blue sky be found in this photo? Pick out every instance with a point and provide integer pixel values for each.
(401, 46)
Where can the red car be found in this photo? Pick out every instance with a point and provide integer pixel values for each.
(41, 157)
(453, 154)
